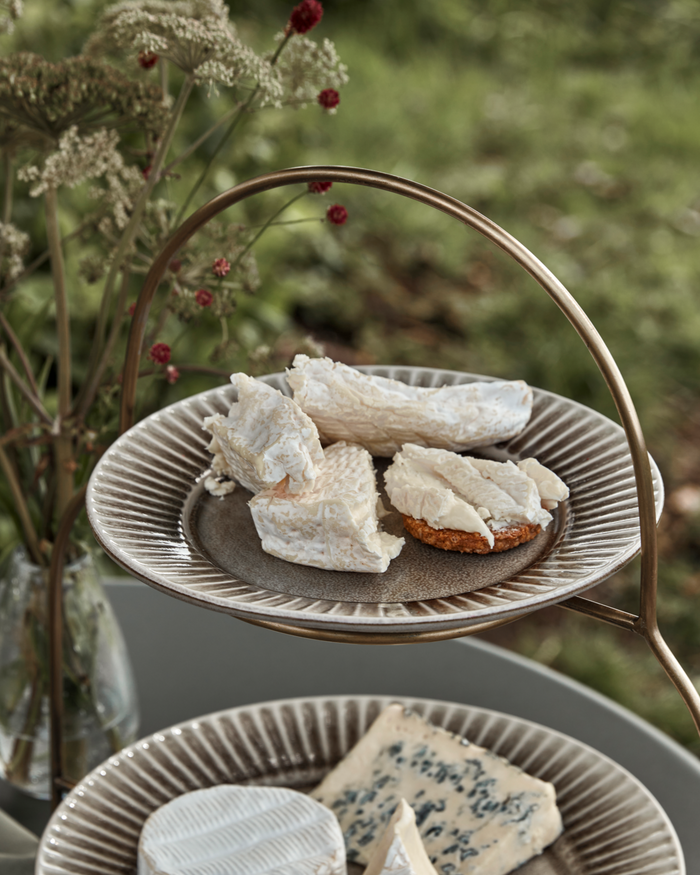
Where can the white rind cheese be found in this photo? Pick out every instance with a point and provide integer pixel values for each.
(333, 525)
(265, 438)
(382, 414)
(471, 495)
(475, 812)
(236, 829)
(401, 851)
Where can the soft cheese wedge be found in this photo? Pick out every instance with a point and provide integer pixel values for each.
(265, 438)
(401, 851)
(475, 812)
(382, 414)
(332, 525)
(449, 491)
(231, 829)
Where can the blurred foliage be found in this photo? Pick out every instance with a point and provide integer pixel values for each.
(574, 126)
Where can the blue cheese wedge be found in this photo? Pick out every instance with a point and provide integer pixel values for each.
(466, 494)
(401, 851)
(235, 829)
(332, 525)
(475, 812)
(382, 414)
(265, 438)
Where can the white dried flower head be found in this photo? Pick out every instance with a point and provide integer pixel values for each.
(306, 68)
(15, 245)
(196, 36)
(10, 11)
(78, 159)
(123, 185)
(91, 268)
(247, 271)
(158, 216)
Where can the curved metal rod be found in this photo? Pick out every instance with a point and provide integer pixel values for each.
(58, 555)
(546, 279)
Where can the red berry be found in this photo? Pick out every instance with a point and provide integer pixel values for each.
(329, 98)
(337, 214)
(306, 16)
(319, 187)
(203, 297)
(160, 353)
(147, 60)
(220, 267)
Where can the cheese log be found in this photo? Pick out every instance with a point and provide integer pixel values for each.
(401, 851)
(382, 414)
(466, 494)
(333, 525)
(475, 812)
(265, 438)
(251, 830)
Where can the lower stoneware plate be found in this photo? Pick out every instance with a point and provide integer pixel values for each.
(612, 825)
(150, 513)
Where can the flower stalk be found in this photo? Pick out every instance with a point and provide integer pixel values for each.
(97, 357)
(231, 128)
(63, 444)
(22, 510)
(8, 182)
(30, 393)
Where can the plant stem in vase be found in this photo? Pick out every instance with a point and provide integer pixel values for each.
(99, 695)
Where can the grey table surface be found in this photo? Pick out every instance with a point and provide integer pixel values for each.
(189, 662)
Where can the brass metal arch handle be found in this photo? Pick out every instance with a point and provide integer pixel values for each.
(646, 623)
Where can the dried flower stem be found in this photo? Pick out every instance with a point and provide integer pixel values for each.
(227, 116)
(263, 228)
(118, 315)
(239, 115)
(98, 360)
(63, 445)
(30, 394)
(21, 354)
(22, 509)
(40, 259)
(290, 222)
(21, 757)
(16, 434)
(6, 197)
(163, 77)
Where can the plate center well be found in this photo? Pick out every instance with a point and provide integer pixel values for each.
(224, 530)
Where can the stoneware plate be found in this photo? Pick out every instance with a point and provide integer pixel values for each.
(613, 826)
(149, 510)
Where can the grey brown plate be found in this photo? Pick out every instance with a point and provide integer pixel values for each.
(612, 824)
(149, 511)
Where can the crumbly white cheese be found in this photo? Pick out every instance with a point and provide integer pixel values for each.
(332, 525)
(400, 850)
(382, 414)
(475, 812)
(471, 495)
(251, 830)
(552, 490)
(265, 438)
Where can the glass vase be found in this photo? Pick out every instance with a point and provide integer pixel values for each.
(100, 709)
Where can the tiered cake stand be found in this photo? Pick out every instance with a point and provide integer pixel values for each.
(150, 513)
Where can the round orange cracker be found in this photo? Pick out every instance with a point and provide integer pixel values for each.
(470, 542)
